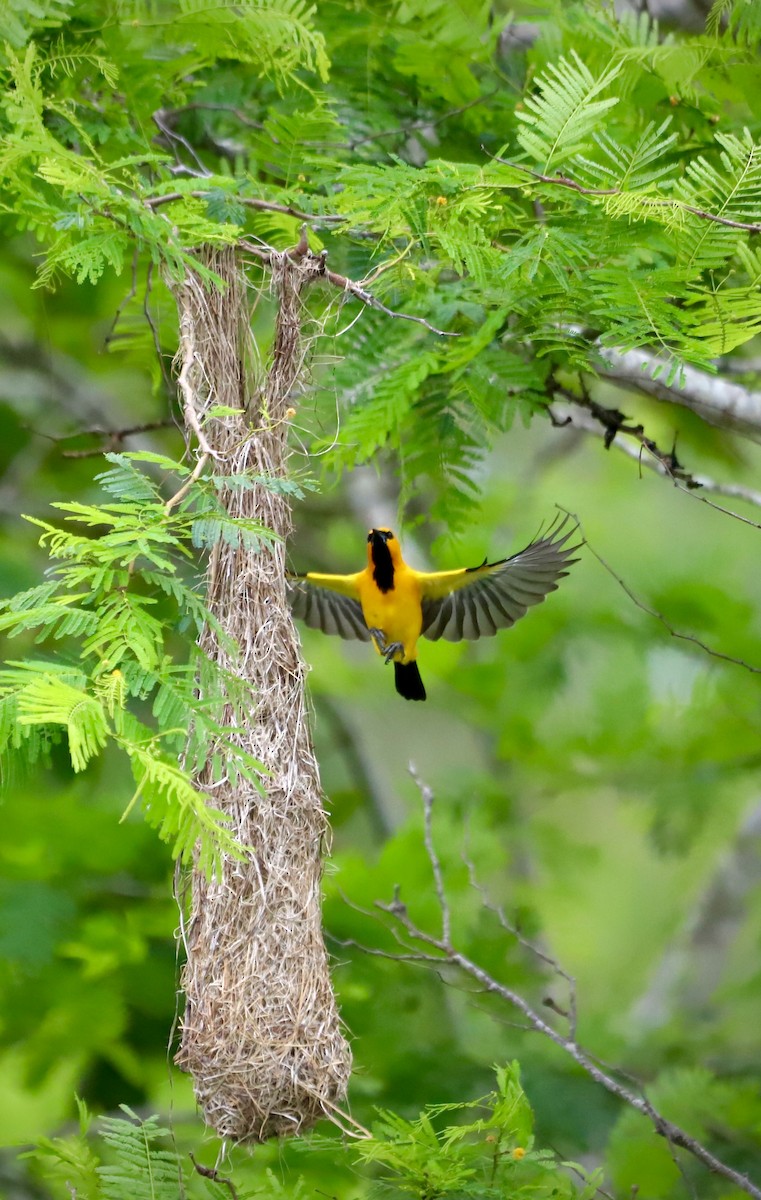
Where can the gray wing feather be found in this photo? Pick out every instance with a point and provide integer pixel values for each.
(504, 592)
(320, 608)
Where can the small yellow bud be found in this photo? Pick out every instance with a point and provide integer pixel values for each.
(441, 201)
(673, 101)
(290, 413)
(519, 1153)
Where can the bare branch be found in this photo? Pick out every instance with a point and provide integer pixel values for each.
(265, 255)
(675, 1135)
(439, 951)
(675, 633)
(212, 1173)
(153, 202)
(426, 795)
(188, 358)
(574, 413)
(161, 119)
(113, 438)
(512, 929)
(667, 1129)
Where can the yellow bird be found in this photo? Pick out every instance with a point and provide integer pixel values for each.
(392, 604)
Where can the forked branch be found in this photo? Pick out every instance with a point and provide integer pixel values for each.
(420, 946)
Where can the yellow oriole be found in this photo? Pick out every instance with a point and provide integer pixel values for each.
(392, 604)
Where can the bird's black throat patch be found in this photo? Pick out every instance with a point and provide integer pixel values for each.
(383, 568)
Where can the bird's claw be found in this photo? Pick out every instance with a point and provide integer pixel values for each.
(389, 651)
(379, 638)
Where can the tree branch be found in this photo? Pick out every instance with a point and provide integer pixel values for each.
(565, 181)
(426, 795)
(573, 412)
(441, 949)
(718, 401)
(250, 201)
(341, 282)
(113, 437)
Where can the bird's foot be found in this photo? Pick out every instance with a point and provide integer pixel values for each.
(393, 648)
(379, 638)
(387, 649)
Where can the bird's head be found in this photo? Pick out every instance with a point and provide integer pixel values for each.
(381, 540)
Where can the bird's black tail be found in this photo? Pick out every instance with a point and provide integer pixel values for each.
(408, 681)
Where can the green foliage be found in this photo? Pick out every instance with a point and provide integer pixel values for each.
(488, 1153)
(234, 105)
(135, 1162)
(107, 594)
(560, 120)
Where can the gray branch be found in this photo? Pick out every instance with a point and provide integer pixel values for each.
(718, 401)
(574, 417)
(425, 948)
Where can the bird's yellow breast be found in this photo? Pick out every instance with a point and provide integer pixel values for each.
(396, 612)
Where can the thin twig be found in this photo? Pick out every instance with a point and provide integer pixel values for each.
(185, 388)
(154, 329)
(512, 929)
(213, 1173)
(566, 182)
(445, 953)
(675, 633)
(728, 512)
(266, 253)
(613, 421)
(114, 438)
(250, 201)
(355, 289)
(667, 1129)
(426, 795)
(162, 123)
(187, 485)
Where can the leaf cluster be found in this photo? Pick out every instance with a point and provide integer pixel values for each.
(115, 594)
(589, 188)
(488, 1153)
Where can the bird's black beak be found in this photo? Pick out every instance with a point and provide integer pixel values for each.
(378, 537)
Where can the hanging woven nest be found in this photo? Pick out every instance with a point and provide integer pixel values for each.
(261, 1035)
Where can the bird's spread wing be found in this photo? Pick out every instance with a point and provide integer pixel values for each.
(477, 601)
(329, 603)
